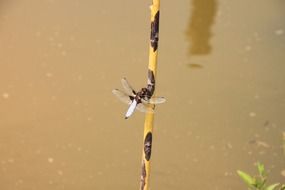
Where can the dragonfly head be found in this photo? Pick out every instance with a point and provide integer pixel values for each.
(144, 90)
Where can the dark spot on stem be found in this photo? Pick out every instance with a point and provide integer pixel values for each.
(143, 175)
(154, 32)
(147, 146)
(150, 84)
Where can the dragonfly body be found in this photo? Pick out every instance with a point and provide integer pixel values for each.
(137, 100)
(131, 109)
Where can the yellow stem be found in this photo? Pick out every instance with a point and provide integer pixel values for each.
(149, 117)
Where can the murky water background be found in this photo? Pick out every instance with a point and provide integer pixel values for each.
(221, 68)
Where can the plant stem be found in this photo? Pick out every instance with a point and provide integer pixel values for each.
(149, 117)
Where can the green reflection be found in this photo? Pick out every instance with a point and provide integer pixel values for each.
(199, 30)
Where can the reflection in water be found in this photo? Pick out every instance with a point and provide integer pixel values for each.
(199, 31)
(195, 66)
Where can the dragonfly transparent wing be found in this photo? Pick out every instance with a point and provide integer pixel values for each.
(154, 100)
(122, 96)
(128, 89)
(143, 108)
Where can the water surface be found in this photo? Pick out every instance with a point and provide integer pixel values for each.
(221, 68)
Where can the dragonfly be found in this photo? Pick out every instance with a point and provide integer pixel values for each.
(140, 100)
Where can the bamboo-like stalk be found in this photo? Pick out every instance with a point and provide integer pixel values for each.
(149, 117)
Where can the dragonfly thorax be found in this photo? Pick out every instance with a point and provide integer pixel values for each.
(142, 94)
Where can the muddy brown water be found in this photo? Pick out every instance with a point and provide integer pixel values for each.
(221, 68)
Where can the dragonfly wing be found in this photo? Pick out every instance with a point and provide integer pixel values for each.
(157, 100)
(122, 96)
(143, 108)
(131, 109)
(129, 90)
(154, 100)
